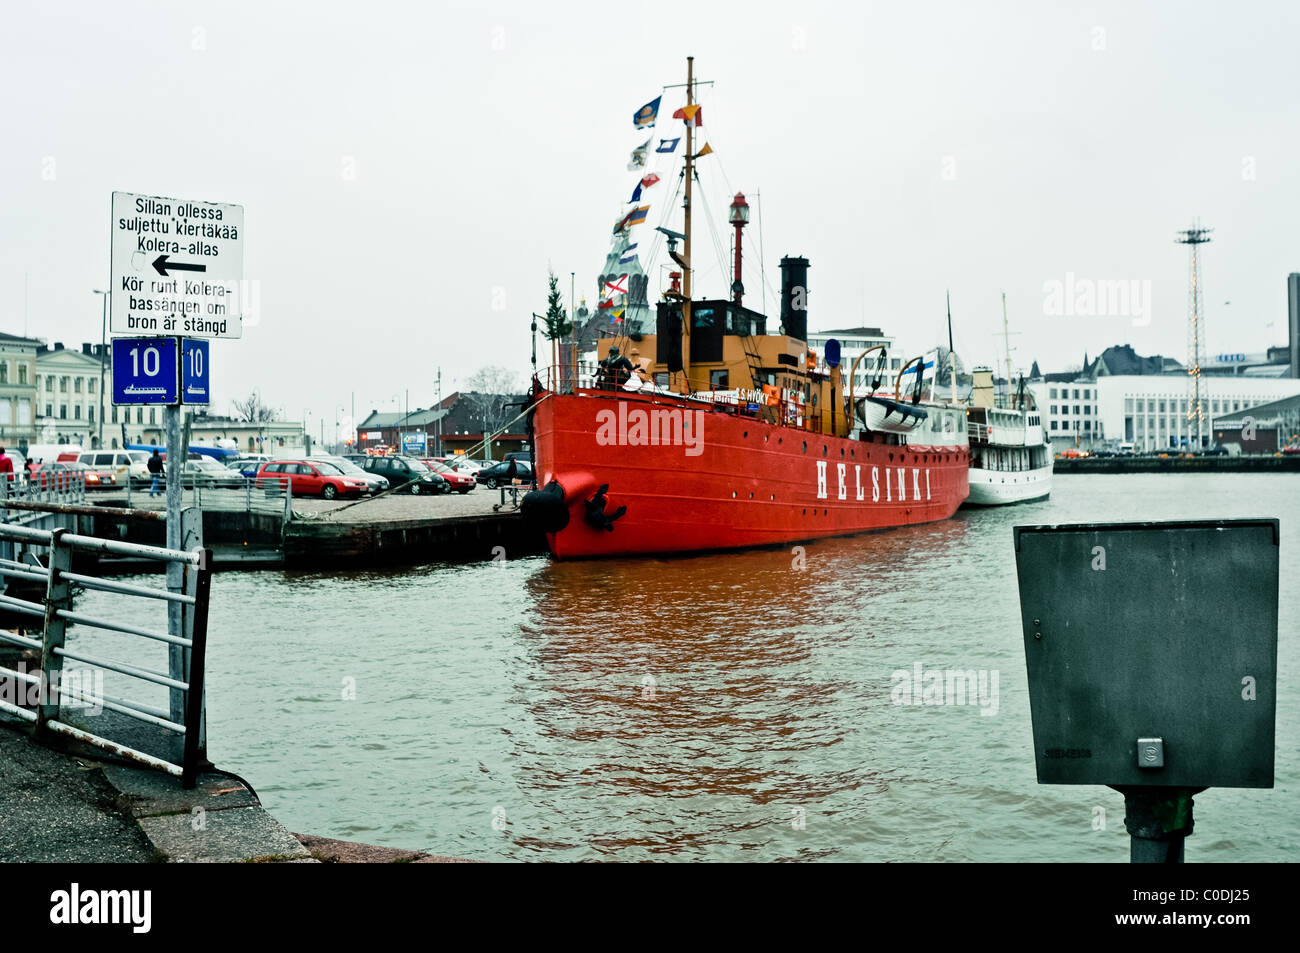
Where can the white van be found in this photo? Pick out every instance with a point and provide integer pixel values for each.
(113, 466)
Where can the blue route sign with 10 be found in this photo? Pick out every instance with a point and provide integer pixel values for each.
(147, 371)
(194, 371)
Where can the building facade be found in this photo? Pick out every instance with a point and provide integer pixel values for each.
(18, 391)
(1148, 411)
(853, 341)
(68, 394)
(144, 425)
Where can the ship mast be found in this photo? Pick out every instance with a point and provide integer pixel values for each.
(1006, 339)
(686, 262)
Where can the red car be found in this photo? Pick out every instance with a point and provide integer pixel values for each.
(457, 480)
(311, 477)
(64, 475)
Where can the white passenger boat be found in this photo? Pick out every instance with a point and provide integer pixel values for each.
(1010, 459)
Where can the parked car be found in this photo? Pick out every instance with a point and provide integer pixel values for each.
(246, 467)
(460, 463)
(63, 474)
(525, 455)
(137, 471)
(206, 472)
(113, 466)
(405, 474)
(311, 478)
(378, 484)
(19, 464)
(502, 474)
(458, 480)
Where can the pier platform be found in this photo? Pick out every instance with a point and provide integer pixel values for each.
(1289, 463)
(386, 530)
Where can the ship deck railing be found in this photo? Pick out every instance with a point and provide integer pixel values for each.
(590, 378)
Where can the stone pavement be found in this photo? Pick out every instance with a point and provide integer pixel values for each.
(76, 804)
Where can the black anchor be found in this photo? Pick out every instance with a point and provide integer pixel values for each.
(596, 515)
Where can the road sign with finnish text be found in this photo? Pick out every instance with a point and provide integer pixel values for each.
(144, 371)
(177, 267)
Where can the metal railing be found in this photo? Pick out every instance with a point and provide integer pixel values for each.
(271, 498)
(62, 486)
(186, 639)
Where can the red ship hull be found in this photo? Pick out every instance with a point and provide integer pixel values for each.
(695, 478)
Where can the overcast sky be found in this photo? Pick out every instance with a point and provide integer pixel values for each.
(409, 171)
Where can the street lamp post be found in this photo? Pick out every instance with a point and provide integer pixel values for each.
(103, 355)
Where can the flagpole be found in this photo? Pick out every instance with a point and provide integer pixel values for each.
(686, 269)
(952, 356)
(573, 332)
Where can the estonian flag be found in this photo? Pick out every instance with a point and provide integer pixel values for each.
(644, 118)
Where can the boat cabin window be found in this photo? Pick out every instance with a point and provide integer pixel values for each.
(718, 380)
(704, 317)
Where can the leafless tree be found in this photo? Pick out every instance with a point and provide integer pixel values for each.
(252, 409)
(489, 390)
(493, 380)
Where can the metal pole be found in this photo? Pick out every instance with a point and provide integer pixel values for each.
(1159, 821)
(194, 740)
(103, 354)
(175, 572)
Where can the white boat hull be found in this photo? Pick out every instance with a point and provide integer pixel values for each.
(1000, 487)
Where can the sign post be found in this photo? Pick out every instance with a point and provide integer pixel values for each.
(177, 270)
(1151, 651)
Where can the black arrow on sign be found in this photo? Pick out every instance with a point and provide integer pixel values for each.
(161, 264)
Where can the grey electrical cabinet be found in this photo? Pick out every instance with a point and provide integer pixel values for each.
(1151, 650)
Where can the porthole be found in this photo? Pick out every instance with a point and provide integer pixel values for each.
(733, 494)
(825, 450)
(805, 446)
(745, 434)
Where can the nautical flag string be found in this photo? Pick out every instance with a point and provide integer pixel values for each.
(628, 255)
(668, 145)
(687, 113)
(644, 118)
(645, 183)
(638, 156)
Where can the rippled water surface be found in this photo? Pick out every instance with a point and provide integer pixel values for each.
(728, 707)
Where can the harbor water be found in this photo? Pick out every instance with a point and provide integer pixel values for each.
(722, 707)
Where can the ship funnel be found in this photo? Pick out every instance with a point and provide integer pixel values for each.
(982, 392)
(794, 298)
